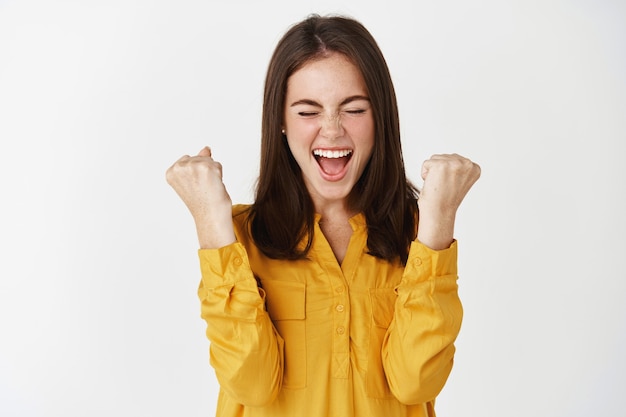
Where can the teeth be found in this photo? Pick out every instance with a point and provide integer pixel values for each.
(331, 154)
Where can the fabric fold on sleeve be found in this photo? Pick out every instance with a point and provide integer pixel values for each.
(245, 349)
(418, 349)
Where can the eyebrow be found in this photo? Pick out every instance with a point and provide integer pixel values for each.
(347, 100)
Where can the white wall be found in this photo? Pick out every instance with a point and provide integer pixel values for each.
(98, 269)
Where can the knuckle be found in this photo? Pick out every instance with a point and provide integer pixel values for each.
(215, 168)
(170, 174)
(477, 170)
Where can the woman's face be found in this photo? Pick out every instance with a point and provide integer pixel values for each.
(329, 126)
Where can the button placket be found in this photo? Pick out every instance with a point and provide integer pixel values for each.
(341, 334)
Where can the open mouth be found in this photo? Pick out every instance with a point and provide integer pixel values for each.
(332, 162)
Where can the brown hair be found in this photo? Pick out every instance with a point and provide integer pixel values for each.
(283, 215)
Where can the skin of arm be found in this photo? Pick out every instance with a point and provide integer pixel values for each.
(447, 179)
(198, 182)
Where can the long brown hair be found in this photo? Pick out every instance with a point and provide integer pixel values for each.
(283, 216)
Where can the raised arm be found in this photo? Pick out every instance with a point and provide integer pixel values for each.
(246, 351)
(418, 349)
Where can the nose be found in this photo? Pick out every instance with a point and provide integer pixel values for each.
(331, 126)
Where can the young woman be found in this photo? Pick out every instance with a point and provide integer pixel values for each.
(335, 293)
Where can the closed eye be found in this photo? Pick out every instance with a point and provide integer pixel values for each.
(307, 113)
(356, 111)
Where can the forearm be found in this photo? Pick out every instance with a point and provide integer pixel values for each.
(246, 351)
(418, 349)
(436, 228)
(215, 231)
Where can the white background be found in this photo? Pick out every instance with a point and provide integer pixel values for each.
(98, 266)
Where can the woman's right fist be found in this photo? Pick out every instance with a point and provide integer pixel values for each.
(198, 182)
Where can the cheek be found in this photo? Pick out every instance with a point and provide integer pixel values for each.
(362, 132)
(297, 123)
(298, 147)
(300, 136)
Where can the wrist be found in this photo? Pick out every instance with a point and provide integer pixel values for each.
(215, 235)
(436, 232)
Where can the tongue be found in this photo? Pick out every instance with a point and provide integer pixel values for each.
(332, 166)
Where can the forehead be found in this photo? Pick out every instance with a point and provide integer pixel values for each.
(325, 75)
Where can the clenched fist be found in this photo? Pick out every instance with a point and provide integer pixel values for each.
(198, 182)
(447, 179)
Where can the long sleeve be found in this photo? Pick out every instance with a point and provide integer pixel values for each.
(245, 349)
(418, 348)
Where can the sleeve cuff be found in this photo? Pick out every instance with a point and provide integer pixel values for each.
(424, 263)
(225, 265)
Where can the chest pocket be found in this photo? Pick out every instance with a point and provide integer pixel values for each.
(383, 305)
(285, 303)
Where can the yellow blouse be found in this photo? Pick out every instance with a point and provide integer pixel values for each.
(315, 338)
